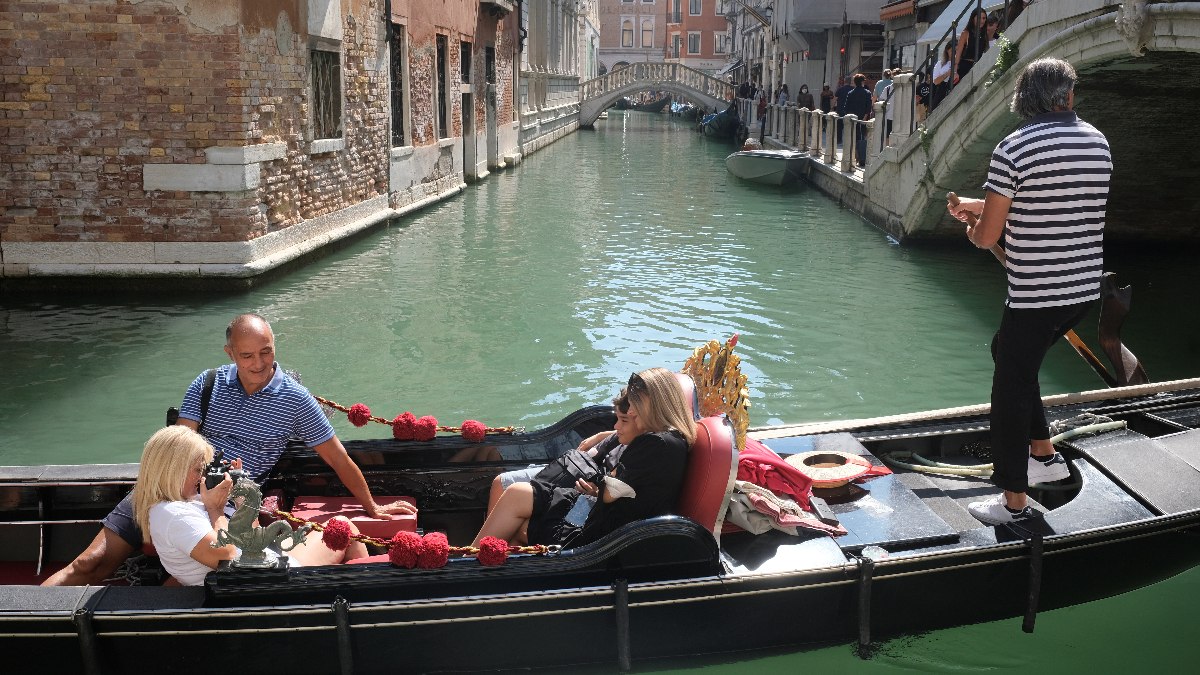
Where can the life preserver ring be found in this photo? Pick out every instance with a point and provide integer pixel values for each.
(830, 469)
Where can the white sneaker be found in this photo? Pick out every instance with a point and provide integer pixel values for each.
(1043, 472)
(994, 511)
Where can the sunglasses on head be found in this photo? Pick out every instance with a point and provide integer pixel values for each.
(636, 382)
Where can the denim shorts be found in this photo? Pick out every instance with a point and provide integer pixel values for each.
(120, 520)
(519, 476)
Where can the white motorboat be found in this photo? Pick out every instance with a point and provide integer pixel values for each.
(772, 167)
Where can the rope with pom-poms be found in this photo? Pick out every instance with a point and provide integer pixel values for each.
(409, 427)
(409, 549)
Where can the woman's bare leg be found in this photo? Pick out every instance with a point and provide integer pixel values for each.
(510, 517)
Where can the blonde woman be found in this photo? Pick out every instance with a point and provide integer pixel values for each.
(171, 502)
(654, 422)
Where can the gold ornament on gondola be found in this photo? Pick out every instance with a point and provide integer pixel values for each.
(721, 385)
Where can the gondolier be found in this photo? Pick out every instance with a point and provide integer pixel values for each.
(1052, 224)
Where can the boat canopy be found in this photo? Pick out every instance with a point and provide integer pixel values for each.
(731, 66)
(957, 9)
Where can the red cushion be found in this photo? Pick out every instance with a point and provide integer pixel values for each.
(711, 469)
(689, 393)
(321, 509)
(383, 557)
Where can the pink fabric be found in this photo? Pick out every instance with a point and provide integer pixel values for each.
(787, 519)
(760, 465)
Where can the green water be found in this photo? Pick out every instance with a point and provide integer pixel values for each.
(538, 290)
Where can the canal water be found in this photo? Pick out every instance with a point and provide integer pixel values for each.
(540, 289)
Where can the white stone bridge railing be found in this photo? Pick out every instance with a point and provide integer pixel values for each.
(599, 93)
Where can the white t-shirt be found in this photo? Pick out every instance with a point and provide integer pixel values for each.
(942, 68)
(175, 529)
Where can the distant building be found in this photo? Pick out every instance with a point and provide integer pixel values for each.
(697, 34)
(631, 31)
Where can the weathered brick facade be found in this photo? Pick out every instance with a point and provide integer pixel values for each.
(174, 137)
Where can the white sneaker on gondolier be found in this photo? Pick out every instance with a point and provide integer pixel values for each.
(995, 511)
(1049, 471)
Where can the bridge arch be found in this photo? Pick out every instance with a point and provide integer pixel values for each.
(1138, 101)
(598, 93)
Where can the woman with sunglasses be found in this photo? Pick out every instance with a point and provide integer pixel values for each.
(655, 424)
(172, 503)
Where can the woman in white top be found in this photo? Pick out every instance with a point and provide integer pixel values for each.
(942, 76)
(182, 516)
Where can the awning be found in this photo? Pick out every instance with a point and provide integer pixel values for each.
(732, 65)
(895, 10)
(957, 9)
(817, 15)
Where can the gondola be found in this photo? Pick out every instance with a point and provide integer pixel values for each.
(657, 105)
(723, 124)
(912, 558)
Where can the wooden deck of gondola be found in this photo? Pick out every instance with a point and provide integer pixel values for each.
(1150, 468)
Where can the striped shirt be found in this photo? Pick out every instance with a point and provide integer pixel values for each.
(1056, 170)
(256, 428)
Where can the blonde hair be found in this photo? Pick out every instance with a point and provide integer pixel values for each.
(661, 405)
(168, 456)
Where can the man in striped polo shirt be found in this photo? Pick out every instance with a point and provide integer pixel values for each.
(253, 410)
(1046, 195)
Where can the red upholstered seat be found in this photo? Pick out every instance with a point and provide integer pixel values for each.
(689, 393)
(712, 467)
(321, 509)
(382, 557)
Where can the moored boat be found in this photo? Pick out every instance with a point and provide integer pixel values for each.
(912, 558)
(771, 167)
(723, 124)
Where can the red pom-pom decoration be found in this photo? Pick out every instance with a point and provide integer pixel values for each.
(402, 426)
(405, 550)
(435, 551)
(733, 341)
(337, 534)
(425, 428)
(473, 431)
(359, 414)
(493, 551)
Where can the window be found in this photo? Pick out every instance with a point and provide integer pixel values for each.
(464, 61)
(326, 93)
(693, 43)
(695, 7)
(627, 33)
(489, 64)
(439, 65)
(676, 45)
(398, 74)
(647, 33)
(719, 45)
(675, 11)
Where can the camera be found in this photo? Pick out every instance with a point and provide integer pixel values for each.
(215, 472)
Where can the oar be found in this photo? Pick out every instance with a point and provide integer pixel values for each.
(1080, 347)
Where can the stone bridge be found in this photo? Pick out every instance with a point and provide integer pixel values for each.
(598, 93)
(1139, 80)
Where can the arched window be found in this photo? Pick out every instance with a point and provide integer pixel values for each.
(647, 33)
(627, 33)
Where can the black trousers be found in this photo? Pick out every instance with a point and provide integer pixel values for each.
(1018, 348)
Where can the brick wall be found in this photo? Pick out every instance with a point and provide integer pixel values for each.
(92, 91)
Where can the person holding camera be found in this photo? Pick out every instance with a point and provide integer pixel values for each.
(249, 409)
(655, 424)
(172, 501)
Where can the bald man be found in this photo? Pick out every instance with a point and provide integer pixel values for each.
(253, 411)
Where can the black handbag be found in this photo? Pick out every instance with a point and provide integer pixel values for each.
(572, 466)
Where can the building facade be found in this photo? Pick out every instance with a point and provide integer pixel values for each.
(219, 139)
(697, 34)
(631, 31)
